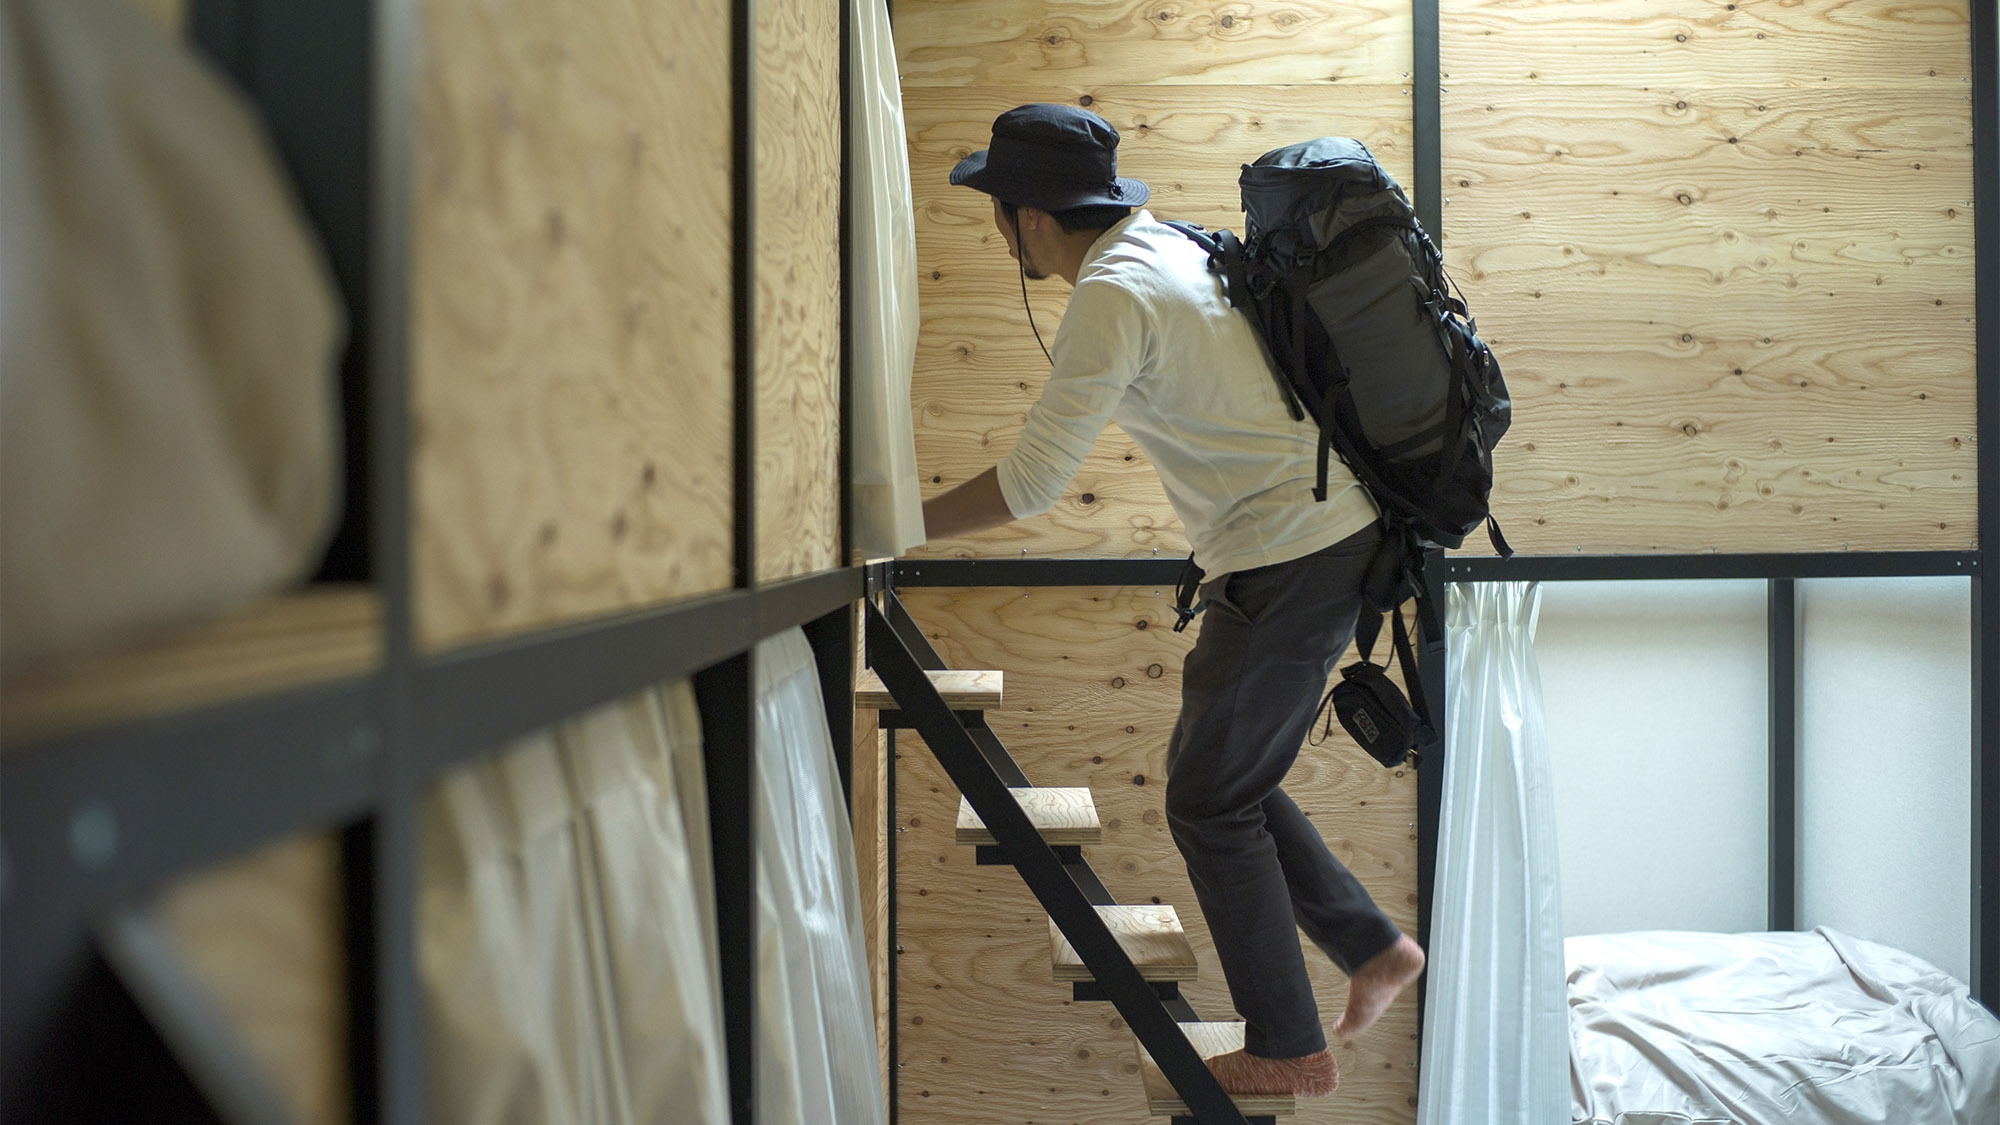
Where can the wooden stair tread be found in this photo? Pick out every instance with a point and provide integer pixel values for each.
(1063, 816)
(1208, 1040)
(963, 690)
(1150, 935)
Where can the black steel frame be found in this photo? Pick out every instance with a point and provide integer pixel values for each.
(92, 824)
(89, 824)
(1986, 585)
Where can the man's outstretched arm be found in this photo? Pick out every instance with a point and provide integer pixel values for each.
(973, 506)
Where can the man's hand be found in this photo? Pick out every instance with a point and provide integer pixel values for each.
(973, 506)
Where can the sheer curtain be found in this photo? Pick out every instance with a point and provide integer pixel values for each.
(816, 1057)
(888, 506)
(565, 927)
(1496, 1030)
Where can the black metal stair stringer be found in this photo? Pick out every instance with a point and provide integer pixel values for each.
(1060, 891)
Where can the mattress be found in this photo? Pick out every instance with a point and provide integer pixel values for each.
(1760, 1029)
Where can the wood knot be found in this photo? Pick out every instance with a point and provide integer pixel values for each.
(1154, 671)
(1118, 681)
(1138, 779)
(1086, 100)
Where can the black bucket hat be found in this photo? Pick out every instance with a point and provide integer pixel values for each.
(1053, 158)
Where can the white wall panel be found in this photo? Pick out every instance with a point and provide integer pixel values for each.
(1885, 776)
(1657, 706)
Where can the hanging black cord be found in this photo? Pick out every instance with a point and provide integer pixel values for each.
(1021, 255)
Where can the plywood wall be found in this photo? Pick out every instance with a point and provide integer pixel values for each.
(1093, 676)
(1724, 254)
(1195, 92)
(570, 339)
(798, 287)
(265, 934)
(1093, 686)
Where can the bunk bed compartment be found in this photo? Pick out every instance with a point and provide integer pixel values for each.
(1691, 1029)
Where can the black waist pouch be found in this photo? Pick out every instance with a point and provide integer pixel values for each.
(1372, 709)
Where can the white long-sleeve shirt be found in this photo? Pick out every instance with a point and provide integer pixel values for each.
(1150, 341)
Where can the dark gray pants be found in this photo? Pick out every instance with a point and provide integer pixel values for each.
(1249, 691)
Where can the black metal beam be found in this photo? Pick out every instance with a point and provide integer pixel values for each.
(910, 633)
(1620, 568)
(1782, 621)
(472, 700)
(1158, 572)
(90, 821)
(1986, 585)
(1162, 573)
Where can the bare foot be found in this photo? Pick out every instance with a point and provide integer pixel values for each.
(1376, 983)
(1311, 1076)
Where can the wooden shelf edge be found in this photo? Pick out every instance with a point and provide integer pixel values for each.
(317, 634)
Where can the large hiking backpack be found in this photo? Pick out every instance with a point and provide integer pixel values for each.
(1366, 337)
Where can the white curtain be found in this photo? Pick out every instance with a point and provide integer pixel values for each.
(888, 506)
(1496, 1030)
(565, 933)
(816, 1058)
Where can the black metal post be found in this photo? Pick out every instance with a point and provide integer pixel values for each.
(726, 694)
(1782, 622)
(1427, 112)
(1986, 584)
(832, 639)
(1431, 660)
(894, 952)
(390, 66)
(847, 173)
(743, 107)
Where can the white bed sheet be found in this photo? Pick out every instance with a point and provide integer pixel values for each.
(1760, 1029)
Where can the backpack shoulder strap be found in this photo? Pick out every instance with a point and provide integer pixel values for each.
(1201, 236)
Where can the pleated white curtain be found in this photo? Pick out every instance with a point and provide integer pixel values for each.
(565, 932)
(816, 1056)
(1496, 1030)
(888, 505)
